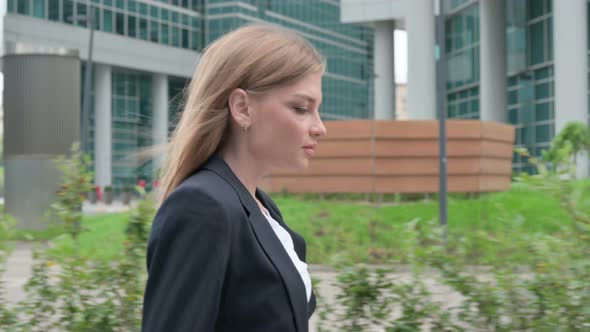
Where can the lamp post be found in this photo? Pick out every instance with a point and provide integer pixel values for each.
(441, 76)
(90, 21)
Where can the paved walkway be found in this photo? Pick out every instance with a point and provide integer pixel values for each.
(100, 207)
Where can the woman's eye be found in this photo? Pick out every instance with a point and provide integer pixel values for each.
(300, 110)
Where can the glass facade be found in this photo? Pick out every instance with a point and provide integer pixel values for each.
(193, 24)
(530, 95)
(175, 23)
(462, 51)
(530, 91)
(347, 84)
(179, 23)
(131, 126)
(176, 88)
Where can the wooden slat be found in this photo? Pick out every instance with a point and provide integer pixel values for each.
(352, 129)
(410, 148)
(490, 183)
(496, 166)
(403, 130)
(424, 184)
(318, 184)
(496, 149)
(498, 132)
(406, 166)
(426, 148)
(403, 158)
(463, 148)
(335, 166)
(344, 149)
(464, 129)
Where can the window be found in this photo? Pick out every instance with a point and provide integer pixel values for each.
(68, 11)
(107, 21)
(53, 10)
(120, 24)
(131, 26)
(23, 7)
(164, 34)
(39, 8)
(154, 31)
(81, 9)
(143, 29)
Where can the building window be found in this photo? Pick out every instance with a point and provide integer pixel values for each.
(24, 7)
(131, 126)
(39, 8)
(107, 21)
(54, 10)
(120, 24)
(531, 111)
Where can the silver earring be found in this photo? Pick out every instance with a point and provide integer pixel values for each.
(245, 128)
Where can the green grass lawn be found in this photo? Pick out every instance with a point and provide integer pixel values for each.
(493, 225)
(102, 239)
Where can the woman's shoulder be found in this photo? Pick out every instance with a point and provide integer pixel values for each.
(204, 186)
(202, 196)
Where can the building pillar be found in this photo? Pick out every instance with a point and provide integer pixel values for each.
(160, 117)
(103, 146)
(421, 98)
(384, 71)
(492, 57)
(571, 67)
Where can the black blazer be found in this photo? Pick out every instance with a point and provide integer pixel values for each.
(215, 264)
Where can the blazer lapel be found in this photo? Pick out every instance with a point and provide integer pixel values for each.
(271, 245)
(299, 248)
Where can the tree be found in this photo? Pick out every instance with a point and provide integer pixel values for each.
(572, 140)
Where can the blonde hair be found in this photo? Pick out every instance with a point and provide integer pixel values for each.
(255, 58)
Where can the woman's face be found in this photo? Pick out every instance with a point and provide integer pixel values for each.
(286, 124)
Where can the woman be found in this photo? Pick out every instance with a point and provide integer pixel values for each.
(220, 257)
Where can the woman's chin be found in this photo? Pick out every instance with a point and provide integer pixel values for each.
(298, 166)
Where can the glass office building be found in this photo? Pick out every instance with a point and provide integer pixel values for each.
(529, 69)
(146, 52)
(522, 62)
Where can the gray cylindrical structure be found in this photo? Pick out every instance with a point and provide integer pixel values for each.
(41, 121)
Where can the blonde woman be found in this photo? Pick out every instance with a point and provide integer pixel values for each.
(220, 257)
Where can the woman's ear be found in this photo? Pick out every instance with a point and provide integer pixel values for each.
(238, 107)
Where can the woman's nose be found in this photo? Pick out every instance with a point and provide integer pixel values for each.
(318, 129)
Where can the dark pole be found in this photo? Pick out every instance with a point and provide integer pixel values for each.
(87, 77)
(441, 75)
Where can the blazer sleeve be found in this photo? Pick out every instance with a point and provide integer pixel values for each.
(188, 253)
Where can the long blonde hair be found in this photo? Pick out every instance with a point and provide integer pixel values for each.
(255, 58)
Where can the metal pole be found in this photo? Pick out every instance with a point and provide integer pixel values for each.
(87, 77)
(441, 76)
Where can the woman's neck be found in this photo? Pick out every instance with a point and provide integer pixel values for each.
(248, 170)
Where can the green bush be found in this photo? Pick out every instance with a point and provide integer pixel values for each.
(74, 293)
(548, 291)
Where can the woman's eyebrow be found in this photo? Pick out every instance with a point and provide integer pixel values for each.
(306, 97)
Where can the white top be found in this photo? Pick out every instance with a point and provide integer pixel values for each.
(287, 242)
